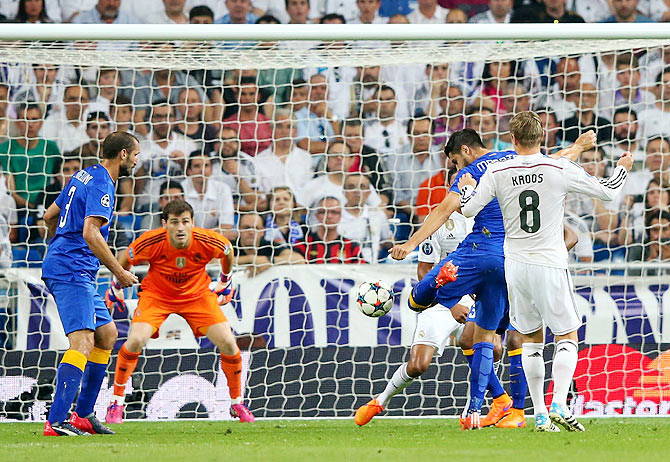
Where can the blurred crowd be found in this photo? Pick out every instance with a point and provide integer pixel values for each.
(329, 164)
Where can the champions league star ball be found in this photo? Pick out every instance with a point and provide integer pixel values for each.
(375, 298)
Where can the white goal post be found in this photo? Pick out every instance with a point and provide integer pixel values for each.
(308, 352)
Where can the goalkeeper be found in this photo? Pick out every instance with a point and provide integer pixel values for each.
(177, 282)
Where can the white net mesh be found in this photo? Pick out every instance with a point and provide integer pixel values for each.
(265, 140)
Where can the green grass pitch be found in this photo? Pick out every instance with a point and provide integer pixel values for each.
(412, 440)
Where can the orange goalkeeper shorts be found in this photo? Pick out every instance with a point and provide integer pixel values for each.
(200, 314)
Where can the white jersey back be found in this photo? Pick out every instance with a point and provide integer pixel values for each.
(531, 191)
(446, 239)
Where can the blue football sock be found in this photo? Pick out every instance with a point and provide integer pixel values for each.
(95, 372)
(482, 367)
(494, 386)
(68, 379)
(517, 380)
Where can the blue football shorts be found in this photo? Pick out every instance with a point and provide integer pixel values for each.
(79, 305)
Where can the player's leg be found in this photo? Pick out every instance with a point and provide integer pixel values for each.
(78, 318)
(502, 403)
(147, 319)
(433, 330)
(563, 318)
(231, 363)
(126, 362)
(492, 294)
(517, 382)
(495, 388)
(96, 369)
(424, 293)
(527, 320)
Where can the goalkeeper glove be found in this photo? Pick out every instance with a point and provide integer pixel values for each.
(224, 288)
(114, 297)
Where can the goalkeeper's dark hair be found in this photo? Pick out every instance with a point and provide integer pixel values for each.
(176, 207)
(117, 142)
(467, 137)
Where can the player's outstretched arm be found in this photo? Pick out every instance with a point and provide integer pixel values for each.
(100, 249)
(585, 142)
(475, 197)
(581, 182)
(51, 219)
(433, 221)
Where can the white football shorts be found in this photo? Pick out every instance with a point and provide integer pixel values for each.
(434, 326)
(541, 295)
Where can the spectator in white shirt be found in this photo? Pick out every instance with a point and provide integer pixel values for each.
(499, 12)
(316, 123)
(283, 163)
(237, 170)
(655, 121)
(368, 13)
(173, 13)
(67, 127)
(367, 225)
(414, 164)
(428, 12)
(384, 133)
(162, 155)
(212, 200)
(106, 12)
(629, 93)
(339, 162)
(625, 135)
(656, 167)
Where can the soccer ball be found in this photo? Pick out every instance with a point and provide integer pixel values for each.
(375, 298)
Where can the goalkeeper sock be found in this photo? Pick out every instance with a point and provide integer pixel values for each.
(125, 365)
(68, 379)
(532, 359)
(96, 369)
(517, 379)
(481, 370)
(398, 383)
(565, 362)
(232, 368)
(423, 294)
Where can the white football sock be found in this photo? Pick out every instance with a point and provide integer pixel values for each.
(565, 362)
(398, 382)
(532, 360)
(120, 400)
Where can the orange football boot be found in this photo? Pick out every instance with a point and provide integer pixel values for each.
(447, 274)
(365, 413)
(501, 407)
(515, 419)
(472, 422)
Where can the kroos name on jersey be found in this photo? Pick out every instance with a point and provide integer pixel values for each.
(521, 180)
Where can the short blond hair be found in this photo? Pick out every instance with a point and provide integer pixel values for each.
(526, 127)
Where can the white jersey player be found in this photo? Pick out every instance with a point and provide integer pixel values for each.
(531, 190)
(434, 327)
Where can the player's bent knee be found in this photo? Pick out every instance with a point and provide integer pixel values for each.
(497, 351)
(82, 341)
(105, 336)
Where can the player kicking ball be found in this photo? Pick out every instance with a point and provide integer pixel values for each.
(79, 222)
(531, 190)
(434, 327)
(177, 282)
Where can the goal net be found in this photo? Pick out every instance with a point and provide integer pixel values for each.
(327, 152)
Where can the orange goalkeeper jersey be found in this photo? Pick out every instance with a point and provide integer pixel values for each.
(177, 275)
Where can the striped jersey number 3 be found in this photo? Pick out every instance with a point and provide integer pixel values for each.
(529, 201)
(63, 219)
